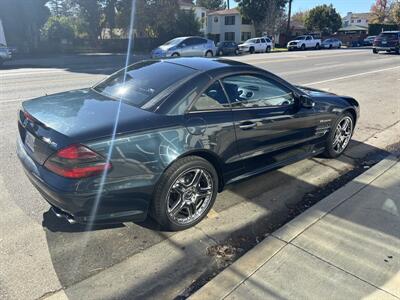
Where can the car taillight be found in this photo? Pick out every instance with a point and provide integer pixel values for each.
(77, 161)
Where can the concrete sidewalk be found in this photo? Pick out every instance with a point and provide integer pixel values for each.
(345, 247)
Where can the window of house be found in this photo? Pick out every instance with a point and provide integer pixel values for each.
(246, 36)
(229, 36)
(230, 20)
(215, 19)
(246, 21)
(358, 21)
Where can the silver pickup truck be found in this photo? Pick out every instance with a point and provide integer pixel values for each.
(5, 54)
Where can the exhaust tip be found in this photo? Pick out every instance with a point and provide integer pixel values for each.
(60, 214)
(70, 220)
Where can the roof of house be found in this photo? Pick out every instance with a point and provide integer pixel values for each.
(361, 16)
(354, 28)
(223, 12)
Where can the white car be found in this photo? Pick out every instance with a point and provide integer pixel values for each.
(304, 42)
(331, 43)
(260, 44)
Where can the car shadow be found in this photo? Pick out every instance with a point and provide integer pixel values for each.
(90, 252)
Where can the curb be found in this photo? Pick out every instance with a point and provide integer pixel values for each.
(229, 279)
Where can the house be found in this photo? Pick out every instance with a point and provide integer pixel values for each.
(228, 25)
(358, 19)
(200, 13)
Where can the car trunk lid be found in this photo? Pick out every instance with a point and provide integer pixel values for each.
(50, 123)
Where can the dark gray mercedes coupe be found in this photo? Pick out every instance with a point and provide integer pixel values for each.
(163, 137)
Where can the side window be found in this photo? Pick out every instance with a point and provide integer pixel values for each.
(257, 41)
(308, 38)
(249, 91)
(263, 41)
(211, 99)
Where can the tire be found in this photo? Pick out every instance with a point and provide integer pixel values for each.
(340, 46)
(397, 51)
(268, 50)
(251, 50)
(1, 62)
(165, 192)
(209, 54)
(317, 46)
(220, 53)
(303, 47)
(330, 150)
(236, 52)
(175, 54)
(375, 51)
(330, 46)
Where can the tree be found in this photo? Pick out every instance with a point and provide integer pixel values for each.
(22, 20)
(395, 12)
(259, 10)
(323, 18)
(57, 29)
(211, 4)
(91, 12)
(61, 7)
(300, 17)
(380, 11)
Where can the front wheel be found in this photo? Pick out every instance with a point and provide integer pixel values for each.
(185, 193)
(237, 52)
(268, 49)
(375, 51)
(303, 47)
(339, 136)
(220, 52)
(317, 47)
(251, 50)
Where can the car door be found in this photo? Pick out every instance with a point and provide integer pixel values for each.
(187, 47)
(209, 121)
(258, 45)
(271, 127)
(199, 47)
(309, 42)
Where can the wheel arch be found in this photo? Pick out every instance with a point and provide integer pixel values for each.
(213, 159)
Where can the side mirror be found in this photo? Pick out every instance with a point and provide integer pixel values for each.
(306, 101)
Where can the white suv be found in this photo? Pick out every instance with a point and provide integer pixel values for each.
(260, 44)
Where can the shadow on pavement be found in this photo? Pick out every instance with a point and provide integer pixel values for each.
(79, 63)
(280, 195)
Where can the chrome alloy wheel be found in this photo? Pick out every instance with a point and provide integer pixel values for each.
(189, 196)
(343, 133)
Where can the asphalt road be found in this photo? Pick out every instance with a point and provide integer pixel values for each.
(40, 254)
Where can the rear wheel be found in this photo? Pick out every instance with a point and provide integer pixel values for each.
(209, 54)
(175, 55)
(317, 47)
(375, 51)
(185, 193)
(220, 52)
(303, 47)
(340, 136)
(397, 51)
(268, 49)
(251, 50)
(237, 52)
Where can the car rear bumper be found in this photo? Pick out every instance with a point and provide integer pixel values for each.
(86, 207)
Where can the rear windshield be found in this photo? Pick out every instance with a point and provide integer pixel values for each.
(144, 80)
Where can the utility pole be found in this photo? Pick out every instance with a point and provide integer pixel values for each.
(227, 3)
(289, 15)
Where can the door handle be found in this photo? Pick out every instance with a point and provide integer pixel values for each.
(247, 125)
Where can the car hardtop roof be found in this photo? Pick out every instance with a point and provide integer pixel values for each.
(205, 64)
(391, 31)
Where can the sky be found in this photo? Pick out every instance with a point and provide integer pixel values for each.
(342, 6)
